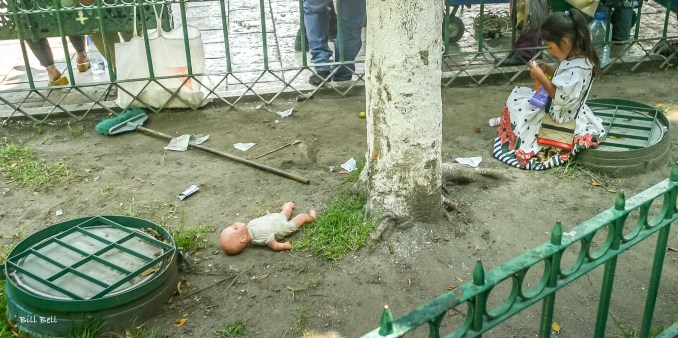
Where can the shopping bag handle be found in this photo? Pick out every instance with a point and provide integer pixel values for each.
(158, 19)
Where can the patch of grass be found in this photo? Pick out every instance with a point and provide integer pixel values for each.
(142, 333)
(192, 239)
(569, 170)
(5, 328)
(627, 332)
(299, 327)
(304, 287)
(76, 130)
(20, 165)
(342, 227)
(235, 329)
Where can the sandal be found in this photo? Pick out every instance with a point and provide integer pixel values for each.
(83, 67)
(62, 81)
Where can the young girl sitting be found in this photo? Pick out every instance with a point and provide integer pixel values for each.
(567, 37)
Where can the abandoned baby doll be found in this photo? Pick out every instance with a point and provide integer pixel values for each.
(264, 230)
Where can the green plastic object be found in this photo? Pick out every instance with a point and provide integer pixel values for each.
(107, 272)
(128, 120)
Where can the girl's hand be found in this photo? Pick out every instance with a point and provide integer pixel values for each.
(548, 70)
(536, 72)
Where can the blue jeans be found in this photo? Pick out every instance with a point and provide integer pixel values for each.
(621, 19)
(350, 17)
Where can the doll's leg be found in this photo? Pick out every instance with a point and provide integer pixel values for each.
(302, 219)
(287, 209)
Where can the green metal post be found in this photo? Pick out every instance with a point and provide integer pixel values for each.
(480, 299)
(13, 8)
(434, 326)
(482, 27)
(659, 254)
(340, 34)
(104, 36)
(187, 45)
(224, 28)
(262, 13)
(149, 59)
(62, 32)
(386, 322)
(608, 275)
(302, 24)
(550, 300)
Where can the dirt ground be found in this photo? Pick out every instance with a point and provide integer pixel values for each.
(497, 219)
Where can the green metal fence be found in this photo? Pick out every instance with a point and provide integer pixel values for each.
(249, 49)
(556, 275)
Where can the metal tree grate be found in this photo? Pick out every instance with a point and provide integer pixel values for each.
(89, 261)
(628, 126)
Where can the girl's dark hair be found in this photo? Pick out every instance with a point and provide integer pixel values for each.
(572, 24)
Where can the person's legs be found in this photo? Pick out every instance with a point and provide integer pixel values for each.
(112, 38)
(81, 59)
(316, 19)
(352, 16)
(43, 52)
(622, 19)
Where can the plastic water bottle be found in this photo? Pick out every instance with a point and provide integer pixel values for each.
(97, 62)
(598, 36)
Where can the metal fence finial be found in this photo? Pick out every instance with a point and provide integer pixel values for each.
(479, 274)
(673, 177)
(557, 234)
(386, 322)
(620, 203)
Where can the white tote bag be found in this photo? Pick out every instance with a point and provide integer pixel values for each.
(169, 59)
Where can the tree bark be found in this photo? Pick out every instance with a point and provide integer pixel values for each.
(404, 108)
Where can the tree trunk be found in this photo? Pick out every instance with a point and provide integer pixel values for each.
(404, 108)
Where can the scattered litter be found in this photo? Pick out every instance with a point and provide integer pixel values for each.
(332, 168)
(470, 161)
(180, 322)
(493, 122)
(555, 327)
(96, 178)
(198, 139)
(259, 106)
(570, 234)
(59, 212)
(188, 192)
(350, 165)
(276, 121)
(179, 143)
(285, 113)
(244, 146)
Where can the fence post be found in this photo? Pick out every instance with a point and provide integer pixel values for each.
(610, 267)
(480, 298)
(659, 254)
(550, 300)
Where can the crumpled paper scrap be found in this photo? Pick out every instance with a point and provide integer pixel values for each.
(470, 161)
(350, 165)
(285, 113)
(179, 143)
(198, 139)
(244, 146)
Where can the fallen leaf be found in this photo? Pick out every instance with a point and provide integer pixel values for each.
(391, 249)
(180, 322)
(460, 280)
(148, 272)
(409, 283)
(14, 164)
(180, 285)
(613, 137)
(673, 249)
(596, 184)
(451, 287)
(477, 130)
(555, 327)
(88, 170)
(612, 191)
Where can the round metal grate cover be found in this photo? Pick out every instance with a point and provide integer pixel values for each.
(636, 138)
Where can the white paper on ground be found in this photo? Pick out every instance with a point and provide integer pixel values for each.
(285, 113)
(350, 165)
(179, 143)
(199, 139)
(244, 146)
(470, 161)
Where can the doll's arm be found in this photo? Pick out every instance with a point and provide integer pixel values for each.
(277, 246)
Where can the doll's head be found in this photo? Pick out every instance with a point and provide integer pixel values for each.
(235, 238)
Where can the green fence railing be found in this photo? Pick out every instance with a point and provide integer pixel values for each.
(250, 50)
(556, 275)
